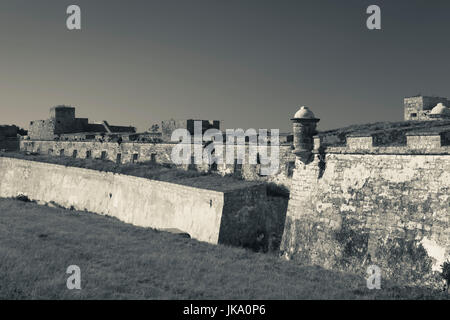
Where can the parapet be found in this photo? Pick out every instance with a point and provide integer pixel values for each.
(391, 138)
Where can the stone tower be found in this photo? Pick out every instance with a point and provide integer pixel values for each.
(304, 128)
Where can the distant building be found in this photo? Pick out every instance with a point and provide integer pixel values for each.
(8, 131)
(440, 112)
(62, 121)
(420, 107)
(9, 137)
(168, 126)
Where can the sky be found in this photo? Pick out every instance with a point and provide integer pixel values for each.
(249, 63)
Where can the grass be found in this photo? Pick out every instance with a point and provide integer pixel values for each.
(120, 261)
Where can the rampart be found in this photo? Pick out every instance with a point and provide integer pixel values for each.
(206, 215)
(129, 152)
(378, 197)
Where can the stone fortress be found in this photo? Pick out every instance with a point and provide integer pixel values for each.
(63, 124)
(361, 195)
(64, 134)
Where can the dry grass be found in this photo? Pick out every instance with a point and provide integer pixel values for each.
(120, 261)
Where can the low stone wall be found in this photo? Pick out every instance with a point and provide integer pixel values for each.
(350, 210)
(139, 201)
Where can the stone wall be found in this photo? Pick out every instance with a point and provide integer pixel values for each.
(351, 207)
(117, 152)
(42, 129)
(127, 152)
(139, 201)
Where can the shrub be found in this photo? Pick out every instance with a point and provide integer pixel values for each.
(446, 273)
(22, 197)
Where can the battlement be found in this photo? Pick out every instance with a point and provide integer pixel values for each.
(397, 137)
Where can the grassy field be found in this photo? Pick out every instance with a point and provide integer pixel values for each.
(120, 261)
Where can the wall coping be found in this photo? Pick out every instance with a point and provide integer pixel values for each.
(402, 150)
(282, 144)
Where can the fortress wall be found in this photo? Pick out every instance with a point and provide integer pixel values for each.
(350, 210)
(139, 201)
(161, 153)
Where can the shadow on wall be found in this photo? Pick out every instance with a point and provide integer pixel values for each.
(268, 239)
(263, 224)
(258, 227)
